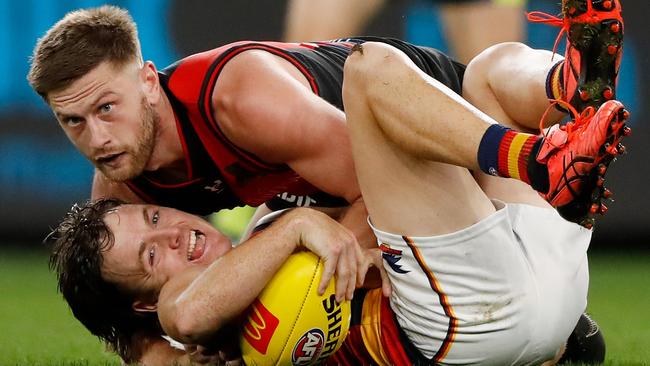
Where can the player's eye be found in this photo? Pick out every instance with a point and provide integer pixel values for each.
(105, 108)
(72, 121)
(152, 255)
(155, 218)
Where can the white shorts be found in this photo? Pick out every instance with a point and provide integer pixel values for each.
(506, 291)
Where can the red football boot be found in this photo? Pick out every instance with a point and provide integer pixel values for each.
(577, 156)
(594, 31)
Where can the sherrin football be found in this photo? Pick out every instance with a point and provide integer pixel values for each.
(289, 323)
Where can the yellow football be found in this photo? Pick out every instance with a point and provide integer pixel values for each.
(289, 323)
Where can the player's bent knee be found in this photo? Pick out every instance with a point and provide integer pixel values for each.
(367, 58)
(494, 62)
(495, 55)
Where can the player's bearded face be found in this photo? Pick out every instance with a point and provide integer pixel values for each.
(136, 155)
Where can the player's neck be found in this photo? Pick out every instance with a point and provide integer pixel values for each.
(168, 158)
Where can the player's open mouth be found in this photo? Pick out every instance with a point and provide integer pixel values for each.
(196, 245)
(110, 160)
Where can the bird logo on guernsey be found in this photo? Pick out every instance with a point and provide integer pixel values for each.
(392, 256)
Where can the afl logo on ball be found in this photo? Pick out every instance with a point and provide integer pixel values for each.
(308, 347)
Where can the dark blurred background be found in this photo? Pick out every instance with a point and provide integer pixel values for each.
(42, 175)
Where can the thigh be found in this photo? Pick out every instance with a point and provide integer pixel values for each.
(431, 61)
(515, 282)
(507, 82)
(461, 296)
(556, 253)
(405, 193)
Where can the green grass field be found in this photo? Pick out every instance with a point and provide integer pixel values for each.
(38, 329)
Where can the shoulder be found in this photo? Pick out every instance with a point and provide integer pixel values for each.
(236, 91)
(254, 66)
(250, 61)
(240, 78)
(256, 91)
(244, 73)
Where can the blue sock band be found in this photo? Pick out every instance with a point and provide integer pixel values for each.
(549, 84)
(488, 149)
(549, 78)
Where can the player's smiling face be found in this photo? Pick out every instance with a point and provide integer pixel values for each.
(107, 117)
(153, 244)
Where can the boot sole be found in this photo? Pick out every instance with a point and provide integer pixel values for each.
(587, 204)
(598, 64)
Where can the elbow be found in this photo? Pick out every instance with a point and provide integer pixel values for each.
(183, 330)
(189, 327)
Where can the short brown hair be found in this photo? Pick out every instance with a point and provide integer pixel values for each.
(78, 244)
(78, 43)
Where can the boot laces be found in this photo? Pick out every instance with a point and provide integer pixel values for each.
(546, 18)
(574, 126)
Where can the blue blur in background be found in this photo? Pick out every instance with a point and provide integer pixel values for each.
(41, 174)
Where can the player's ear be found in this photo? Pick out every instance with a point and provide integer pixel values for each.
(144, 306)
(149, 82)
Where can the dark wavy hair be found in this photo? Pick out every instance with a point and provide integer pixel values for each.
(78, 244)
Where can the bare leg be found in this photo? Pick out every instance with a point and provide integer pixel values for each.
(410, 117)
(430, 122)
(465, 26)
(507, 81)
(399, 143)
(415, 111)
(313, 20)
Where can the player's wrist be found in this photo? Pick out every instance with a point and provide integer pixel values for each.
(290, 228)
(301, 222)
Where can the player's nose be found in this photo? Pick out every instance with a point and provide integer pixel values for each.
(99, 133)
(171, 238)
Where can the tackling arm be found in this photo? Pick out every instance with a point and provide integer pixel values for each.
(193, 306)
(265, 106)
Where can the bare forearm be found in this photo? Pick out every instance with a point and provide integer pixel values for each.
(192, 309)
(355, 218)
(193, 306)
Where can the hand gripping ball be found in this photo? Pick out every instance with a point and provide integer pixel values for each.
(289, 323)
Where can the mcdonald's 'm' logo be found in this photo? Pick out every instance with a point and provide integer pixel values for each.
(260, 327)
